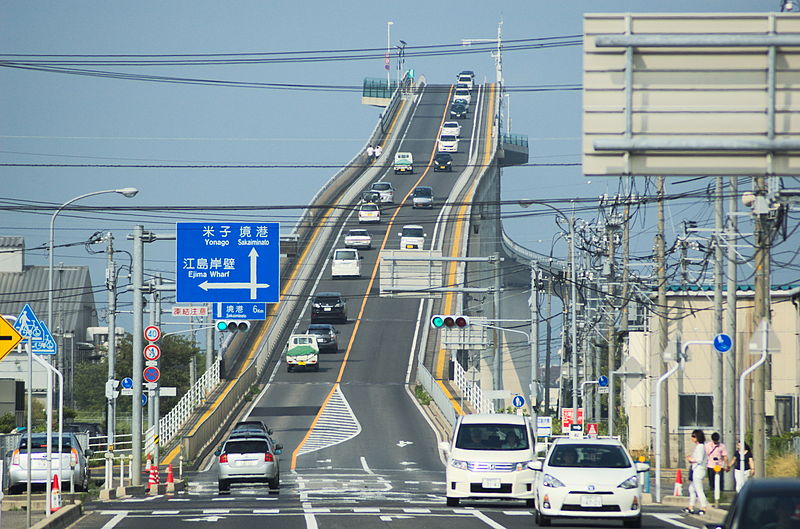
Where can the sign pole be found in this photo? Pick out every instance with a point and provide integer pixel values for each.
(29, 428)
(138, 307)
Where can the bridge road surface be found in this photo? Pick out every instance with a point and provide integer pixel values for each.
(371, 458)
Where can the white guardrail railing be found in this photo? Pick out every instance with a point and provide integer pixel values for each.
(194, 397)
(471, 391)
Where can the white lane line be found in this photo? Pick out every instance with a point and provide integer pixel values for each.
(266, 511)
(223, 499)
(179, 499)
(365, 466)
(488, 521)
(670, 519)
(265, 499)
(311, 522)
(216, 511)
(317, 510)
(417, 511)
(164, 512)
(115, 520)
(366, 509)
(518, 513)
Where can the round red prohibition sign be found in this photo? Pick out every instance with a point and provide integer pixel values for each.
(152, 352)
(151, 374)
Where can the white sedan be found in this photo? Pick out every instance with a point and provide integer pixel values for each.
(360, 239)
(589, 478)
(451, 127)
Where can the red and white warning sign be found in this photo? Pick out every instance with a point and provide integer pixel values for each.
(591, 429)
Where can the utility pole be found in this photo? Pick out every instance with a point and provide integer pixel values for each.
(729, 358)
(111, 286)
(611, 307)
(498, 357)
(136, 353)
(661, 271)
(716, 358)
(574, 320)
(548, 331)
(534, 337)
(761, 312)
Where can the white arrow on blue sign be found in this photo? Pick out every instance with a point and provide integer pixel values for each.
(33, 329)
(228, 262)
(126, 383)
(602, 381)
(722, 343)
(518, 401)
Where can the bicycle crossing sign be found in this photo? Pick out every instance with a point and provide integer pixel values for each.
(33, 329)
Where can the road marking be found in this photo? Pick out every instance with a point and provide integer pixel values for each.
(311, 522)
(365, 466)
(518, 513)
(205, 519)
(115, 520)
(488, 521)
(417, 511)
(671, 519)
(216, 511)
(164, 512)
(366, 509)
(336, 424)
(266, 511)
(223, 499)
(402, 444)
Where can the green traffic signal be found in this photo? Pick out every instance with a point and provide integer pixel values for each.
(437, 321)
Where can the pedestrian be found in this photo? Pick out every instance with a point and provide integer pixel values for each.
(370, 152)
(698, 460)
(378, 151)
(717, 456)
(743, 467)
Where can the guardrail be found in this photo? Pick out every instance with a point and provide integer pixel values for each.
(426, 380)
(515, 139)
(514, 249)
(471, 391)
(171, 423)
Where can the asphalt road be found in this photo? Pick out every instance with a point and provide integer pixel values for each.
(371, 458)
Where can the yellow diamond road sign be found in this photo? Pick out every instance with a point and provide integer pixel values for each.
(9, 338)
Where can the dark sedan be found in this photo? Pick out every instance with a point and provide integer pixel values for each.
(765, 504)
(443, 162)
(458, 110)
(326, 336)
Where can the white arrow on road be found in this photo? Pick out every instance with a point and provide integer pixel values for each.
(396, 517)
(253, 285)
(401, 444)
(205, 519)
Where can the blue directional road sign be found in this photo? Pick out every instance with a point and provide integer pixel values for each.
(518, 401)
(33, 329)
(126, 383)
(722, 343)
(241, 311)
(144, 399)
(228, 262)
(602, 381)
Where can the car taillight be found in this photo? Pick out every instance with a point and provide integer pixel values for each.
(73, 457)
(15, 458)
(268, 457)
(223, 458)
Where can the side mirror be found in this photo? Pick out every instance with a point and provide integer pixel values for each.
(536, 465)
(360, 256)
(218, 452)
(444, 446)
(278, 446)
(399, 234)
(714, 526)
(269, 431)
(642, 467)
(278, 451)
(88, 452)
(424, 234)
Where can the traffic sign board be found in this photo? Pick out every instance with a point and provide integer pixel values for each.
(228, 262)
(544, 426)
(35, 330)
(241, 311)
(9, 337)
(722, 343)
(127, 382)
(602, 381)
(518, 401)
(151, 374)
(152, 351)
(591, 429)
(144, 399)
(152, 333)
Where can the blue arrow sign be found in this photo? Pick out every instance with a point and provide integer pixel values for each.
(602, 381)
(33, 329)
(518, 401)
(144, 399)
(228, 262)
(241, 311)
(722, 343)
(126, 383)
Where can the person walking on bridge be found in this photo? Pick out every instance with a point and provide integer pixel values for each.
(370, 152)
(378, 152)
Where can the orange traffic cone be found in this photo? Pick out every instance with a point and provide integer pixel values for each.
(55, 495)
(170, 477)
(678, 490)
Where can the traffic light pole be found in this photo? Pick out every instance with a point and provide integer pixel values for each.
(136, 353)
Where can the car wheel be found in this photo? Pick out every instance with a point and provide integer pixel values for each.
(15, 489)
(636, 521)
(452, 502)
(289, 369)
(541, 520)
(224, 485)
(530, 503)
(316, 367)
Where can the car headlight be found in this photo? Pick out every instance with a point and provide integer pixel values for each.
(630, 483)
(551, 481)
(457, 463)
(317, 305)
(522, 465)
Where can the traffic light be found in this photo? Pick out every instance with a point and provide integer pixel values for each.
(449, 320)
(233, 325)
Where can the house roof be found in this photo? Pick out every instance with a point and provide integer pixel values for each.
(9, 241)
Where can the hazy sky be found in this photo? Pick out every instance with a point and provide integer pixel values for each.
(53, 118)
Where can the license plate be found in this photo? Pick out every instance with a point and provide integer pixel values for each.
(410, 247)
(247, 462)
(327, 309)
(588, 500)
(301, 363)
(493, 483)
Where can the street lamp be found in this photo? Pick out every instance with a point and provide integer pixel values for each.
(127, 192)
(388, 55)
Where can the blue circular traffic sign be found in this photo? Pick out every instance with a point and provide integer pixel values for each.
(126, 383)
(723, 343)
(518, 401)
(144, 399)
(602, 381)
(151, 374)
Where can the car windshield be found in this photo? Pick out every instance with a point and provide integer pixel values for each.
(589, 456)
(402, 156)
(450, 125)
(345, 255)
(779, 510)
(327, 300)
(322, 331)
(443, 157)
(358, 233)
(381, 186)
(447, 137)
(40, 444)
(246, 447)
(492, 437)
(462, 92)
(413, 232)
(423, 192)
(369, 207)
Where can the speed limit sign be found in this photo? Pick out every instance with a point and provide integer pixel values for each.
(152, 352)
(152, 333)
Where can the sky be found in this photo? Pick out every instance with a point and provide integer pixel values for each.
(57, 119)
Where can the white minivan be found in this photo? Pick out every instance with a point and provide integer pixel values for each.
(488, 457)
(412, 237)
(346, 262)
(448, 143)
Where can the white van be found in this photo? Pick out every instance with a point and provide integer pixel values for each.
(412, 237)
(346, 262)
(488, 457)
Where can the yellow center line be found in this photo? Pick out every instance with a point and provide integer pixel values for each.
(460, 222)
(364, 300)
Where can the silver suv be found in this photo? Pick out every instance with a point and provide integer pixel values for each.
(249, 460)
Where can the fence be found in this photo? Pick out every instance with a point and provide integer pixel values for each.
(470, 391)
(170, 424)
(426, 380)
